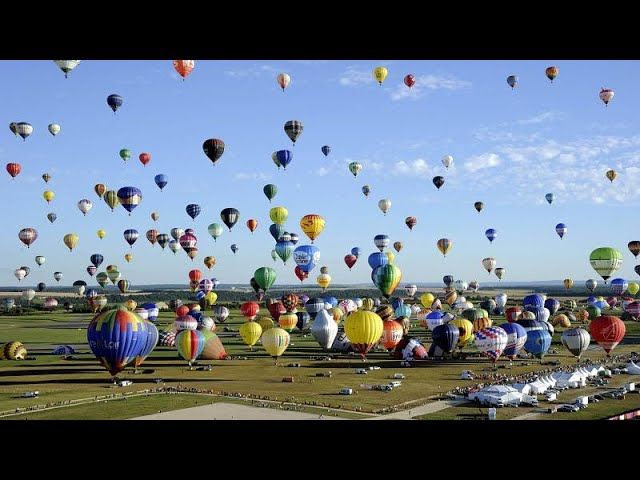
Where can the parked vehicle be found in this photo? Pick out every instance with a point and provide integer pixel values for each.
(346, 391)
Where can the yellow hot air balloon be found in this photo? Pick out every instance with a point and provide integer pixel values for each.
(390, 256)
(288, 321)
(211, 298)
(209, 261)
(324, 280)
(426, 299)
(312, 225)
(131, 305)
(465, 328)
(128, 257)
(611, 175)
(568, 283)
(101, 234)
(367, 303)
(48, 195)
(250, 333)
(71, 240)
(279, 215)
(633, 288)
(364, 330)
(337, 313)
(266, 323)
(380, 73)
(275, 341)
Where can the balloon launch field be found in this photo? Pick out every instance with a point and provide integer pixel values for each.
(58, 380)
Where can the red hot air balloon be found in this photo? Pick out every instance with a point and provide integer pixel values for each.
(409, 80)
(350, 260)
(276, 309)
(302, 276)
(13, 169)
(250, 310)
(145, 158)
(608, 331)
(195, 275)
(182, 310)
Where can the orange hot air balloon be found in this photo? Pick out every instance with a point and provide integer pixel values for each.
(552, 73)
(392, 332)
(252, 224)
(608, 331)
(195, 275)
(100, 189)
(184, 67)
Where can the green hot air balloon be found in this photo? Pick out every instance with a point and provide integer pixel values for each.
(605, 261)
(386, 278)
(125, 154)
(274, 255)
(102, 279)
(111, 199)
(215, 230)
(113, 275)
(270, 190)
(265, 276)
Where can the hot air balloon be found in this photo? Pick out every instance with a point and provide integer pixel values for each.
(491, 341)
(42, 286)
(438, 181)
(619, 286)
(130, 236)
(114, 101)
(591, 285)
(386, 278)
(561, 229)
(14, 169)
(326, 149)
(549, 197)
(184, 67)
(605, 261)
(193, 210)
(499, 272)
(229, 217)
(190, 344)
(384, 205)
(606, 95)
(57, 276)
(568, 283)
(363, 329)
(125, 154)
(234, 248)
(54, 129)
(111, 199)
(350, 260)
(516, 338)
(67, 65)
(213, 148)
(634, 248)
(48, 195)
(46, 177)
(312, 225)
(28, 236)
(447, 161)
(491, 234)
(366, 190)
(411, 222)
(275, 341)
(116, 337)
(24, 129)
(250, 333)
(608, 331)
(265, 277)
(633, 288)
(293, 129)
(380, 73)
(85, 205)
(576, 340)
(323, 280)
(409, 80)
(283, 80)
(324, 329)
(551, 73)
(381, 241)
(611, 175)
(444, 245)
(284, 158)
(129, 198)
(270, 191)
(355, 168)
(538, 340)
(512, 80)
(20, 273)
(40, 260)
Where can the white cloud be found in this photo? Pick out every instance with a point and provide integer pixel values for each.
(252, 71)
(540, 118)
(353, 77)
(376, 166)
(427, 82)
(252, 176)
(480, 162)
(418, 167)
(322, 171)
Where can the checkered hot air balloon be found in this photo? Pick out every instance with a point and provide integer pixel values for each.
(491, 341)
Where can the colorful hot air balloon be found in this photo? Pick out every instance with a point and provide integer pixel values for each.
(605, 261)
(608, 331)
(312, 225)
(293, 129)
(270, 191)
(568, 283)
(591, 285)
(284, 158)
(28, 236)
(67, 66)
(213, 148)
(491, 341)
(363, 329)
(184, 67)
(193, 210)
(606, 95)
(386, 278)
(478, 206)
(250, 333)
(409, 80)
(114, 101)
(116, 337)
(46, 177)
(129, 198)
(190, 344)
(24, 129)
(380, 73)
(611, 175)
(350, 260)
(283, 80)
(444, 245)
(306, 257)
(14, 169)
(619, 286)
(551, 73)
(85, 205)
(516, 338)
(323, 280)
(54, 129)
(411, 222)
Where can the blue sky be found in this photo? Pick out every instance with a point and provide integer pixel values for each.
(510, 147)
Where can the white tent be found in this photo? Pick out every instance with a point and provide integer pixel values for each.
(538, 387)
(632, 368)
(523, 388)
(570, 379)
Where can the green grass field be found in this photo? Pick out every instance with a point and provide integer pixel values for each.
(59, 380)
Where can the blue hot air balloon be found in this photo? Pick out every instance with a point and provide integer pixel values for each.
(619, 286)
(96, 259)
(512, 80)
(533, 302)
(284, 157)
(294, 238)
(303, 320)
(130, 198)
(234, 248)
(276, 231)
(333, 301)
(51, 217)
(538, 342)
(313, 306)
(114, 101)
(396, 302)
(193, 210)
(552, 305)
(131, 235)
(306, 257)
(491, 234)
(381, 241)
(355, 251)
(148, 345)
(377, 259)
(161, 180)
(284, 250)
(326, 150)
(561, 229)
(446, 337)
(516, 338)
(152, 309)
(549, 197)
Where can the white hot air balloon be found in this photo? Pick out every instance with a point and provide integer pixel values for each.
(324, 329)
(447, 161)
(384, 205)
(460, 285)
(411, 290)
(67, 65)
(501, 300)
(489, 264)
(20, 273)
(85, 205)
(606, 95)
(28, 294)
(54, 129)
(576, 340)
